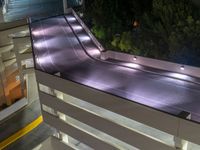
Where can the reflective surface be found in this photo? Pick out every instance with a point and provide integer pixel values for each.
(57, 49)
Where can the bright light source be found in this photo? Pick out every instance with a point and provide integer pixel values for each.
(179, 76)
(71, 18)
(94, 52)
(182, 68)
(38, 44)
(134, 58)
(37, 32)
(131, 65)
(81, 15)
(77, 27)
(84, 38)
(41, 60)
(38, 60)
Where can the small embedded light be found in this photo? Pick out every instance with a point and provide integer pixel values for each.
(81, 15)
(134, 58)
(182, 68)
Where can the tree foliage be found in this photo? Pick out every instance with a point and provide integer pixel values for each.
(166, 29)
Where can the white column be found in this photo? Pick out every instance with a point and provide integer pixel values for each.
(20, 42)
(19, 64)
(65, 5)
(2, 82)
(181, 143)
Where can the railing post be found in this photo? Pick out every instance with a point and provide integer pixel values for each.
(65, 6)
(178, 142)
(2, 82)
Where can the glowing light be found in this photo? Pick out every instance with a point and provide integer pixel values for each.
(41, 60)
(179, 76)
(84, 38)
(37, 32)
(134, 58)
(77, 27)
(131, 65)
(94, 52)
(182, 68)
(81, 15)
(71, 18)
(38, 60)
(98, 84)
(38, 44)
(45, 31)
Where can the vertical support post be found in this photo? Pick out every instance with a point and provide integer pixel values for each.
(181, 144)
(6, 6)
(2, 83)
(65, 6)
(83, 4)
(58, 133)
(19, 64)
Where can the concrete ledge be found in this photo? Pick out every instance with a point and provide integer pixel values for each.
(143, 114)
(76, 133)
(14, 24)
(156, 119)
(25, 56)
(13, 108)
(154, 63)
(52, 144)
(103, 125)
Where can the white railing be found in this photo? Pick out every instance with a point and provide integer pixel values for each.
(153, 63)
(173, 125)
(13, 108)
(96, 42)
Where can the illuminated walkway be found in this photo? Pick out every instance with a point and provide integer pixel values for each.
(61, 45)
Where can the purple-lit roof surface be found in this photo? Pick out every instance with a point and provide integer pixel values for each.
(60, 44)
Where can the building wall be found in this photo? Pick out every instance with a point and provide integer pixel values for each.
(77, 110)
